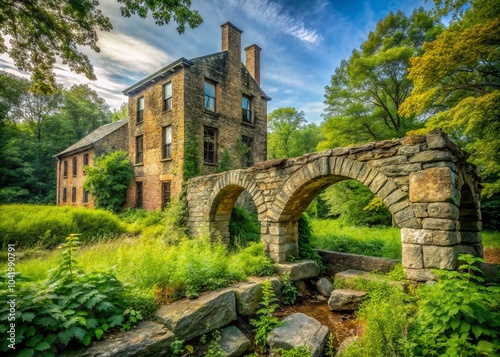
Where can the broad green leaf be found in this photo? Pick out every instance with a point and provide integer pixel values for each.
(42, 346)
(98, 333)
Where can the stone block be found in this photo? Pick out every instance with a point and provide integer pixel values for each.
(442, 210)
(436, 140)
(233, 342)
(394, 197)
(445, 237)
(396, 207)
(410, 223)
(437, 184)
(400, 170)
(345, 299)
(470, 237)
(441, 224)
(440, 257)
(324, 286)
(472, 249)
(420, 210)
(299, 330)
(404, 215)
(377, 183)
(409, 150)
(412, 256)
(419, 274)
(249, 294)
(416, 236)
(473, 226)
(388, 188)
(299, 270)
(189, 319)
(431, 156)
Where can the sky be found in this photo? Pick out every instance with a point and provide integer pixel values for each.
(302, 41)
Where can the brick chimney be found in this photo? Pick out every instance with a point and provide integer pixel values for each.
(231, 40)
(252, 61)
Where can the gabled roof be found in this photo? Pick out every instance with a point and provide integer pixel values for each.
(98, 134)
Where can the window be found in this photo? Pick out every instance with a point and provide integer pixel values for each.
(138, 149)
(73, 194)
(138, 194)
(209, 145)
(74, 166)
(246, 113)
(167, 142)
(166, 185)
(248, 156)
(167, 96)
(85, 196)
(140, 110)
(85, 162)
(210, 96)
(65, 168)
(65, 195)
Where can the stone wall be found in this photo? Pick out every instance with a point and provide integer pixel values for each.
(425, 182)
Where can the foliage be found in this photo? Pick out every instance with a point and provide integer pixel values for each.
(225, 162)
(251, 261)
(107, 181)
(299, 351)
(456, 83)
(367, 89)
(120, 113)
(70, 306)
(266, 321)
(289, 292)
(215, 348)
(41, 33)
(335, 236)
(47, 226)
(192, 165)
(458, 315)
(304, 236)
(490, 211)
(330, 349)
(244, 227)
(289, 135)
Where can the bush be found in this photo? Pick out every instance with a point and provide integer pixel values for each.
(305, 234)
(244, 227)
(47, 226)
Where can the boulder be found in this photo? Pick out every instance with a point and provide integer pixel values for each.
(146, 339)
(299, 270)
(345, 299)
(324, 286)
(249, 294)
(233, 342)
(345, 344)
(191, 318)
(299, 330)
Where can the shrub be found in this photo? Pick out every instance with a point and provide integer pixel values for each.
(289, 292)
(266, 321)
(244, 227)
(46, 226)
(306, 251)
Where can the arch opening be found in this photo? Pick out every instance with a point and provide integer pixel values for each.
(469, 218)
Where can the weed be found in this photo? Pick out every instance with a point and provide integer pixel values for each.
(266, 321)
(299, 351)
(215, 348)
(289, 292)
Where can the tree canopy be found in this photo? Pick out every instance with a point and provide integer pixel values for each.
(41, 31)
(366, 90)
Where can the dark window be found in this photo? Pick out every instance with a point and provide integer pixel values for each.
(138, 149)
(167, 96)
(138, 194)
(85, 162)
(210, 96)
(246, 104)
(140, 110)
(85, 196)
(209, 145)
(166, 193)
(73, 194)
(167, 142)
(65, 195)
(65, 168)
(74, 166)
(248, 156)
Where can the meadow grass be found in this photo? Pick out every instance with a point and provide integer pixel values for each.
(332, 235)
(491, 239)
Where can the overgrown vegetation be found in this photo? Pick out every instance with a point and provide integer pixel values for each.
(70, 307)
(244, 227)
(289, 292)
(265, 322)
(306, 250)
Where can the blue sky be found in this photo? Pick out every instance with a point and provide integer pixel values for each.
(302, 43)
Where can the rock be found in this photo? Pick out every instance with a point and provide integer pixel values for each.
(436, 184)
(301, 288)
(353, 275)
(249, 294)
(233, 342)
(146, 339)
(299, 270)
(324, 286)
(345, 299)
(190, 318)
(346, 343)
(299, 330)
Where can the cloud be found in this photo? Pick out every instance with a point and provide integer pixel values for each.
(271, 13)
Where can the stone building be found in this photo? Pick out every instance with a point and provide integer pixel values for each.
(197, 110)
(70, 162)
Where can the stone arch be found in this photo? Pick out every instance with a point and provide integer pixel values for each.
(223, 198)
(307, 182)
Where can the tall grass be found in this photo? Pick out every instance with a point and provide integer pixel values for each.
(332, 235)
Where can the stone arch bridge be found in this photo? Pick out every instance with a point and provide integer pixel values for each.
(431, 191)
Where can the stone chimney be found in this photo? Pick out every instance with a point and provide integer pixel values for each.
(231, 40)
(252, 61)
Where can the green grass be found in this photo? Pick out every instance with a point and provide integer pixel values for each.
(491, 239)
(379, 242)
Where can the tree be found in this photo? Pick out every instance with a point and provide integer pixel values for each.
(41, 31)
(457, 83)
(367, 90)
(107, 181)
(121, 113)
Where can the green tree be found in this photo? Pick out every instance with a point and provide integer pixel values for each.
(367, 90)
(107, 181)
(41, 31)
(121, 113)
(457, 83)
